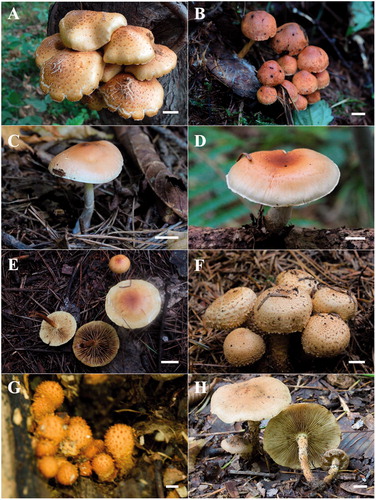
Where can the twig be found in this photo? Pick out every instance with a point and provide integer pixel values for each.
(252, 473)
(170, 135)
(12, 242)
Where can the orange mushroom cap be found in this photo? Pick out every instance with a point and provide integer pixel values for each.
(266, 95)
(258, 25)
(271, 73)
(290, 38)
(305, 82)
(313, 59)
(52, 391)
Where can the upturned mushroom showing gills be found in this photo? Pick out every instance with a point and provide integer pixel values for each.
(281, 180)
(333, 461)
(96, 343)
(92, 163)
(57, 328)
(299, 435)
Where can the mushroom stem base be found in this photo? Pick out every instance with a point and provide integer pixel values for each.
(247, 47)
(302, 441)
(333, 471)
(277, 218)
(87, 213)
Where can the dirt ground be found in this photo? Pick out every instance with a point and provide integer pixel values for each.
(77, 282)
(216, 474)
(348, 270)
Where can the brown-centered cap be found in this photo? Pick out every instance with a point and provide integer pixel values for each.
(280, 179)
(271, 73)
(258, 25)
(290, 38)
(71, 75)
(325, 336)
(119, 264)
(266, 95)
(85, 30)
(96, 343)
(255, 399)
(313, 59)
(130, 45)
(110, 70)
(133, 303)
(305, 82)
(243, 347)
(323, 79)
(49, 47)
(164, 61)
(289, 64)
(94, 162)
(133, 99)
(63, 330)
(297, 278)
(282, 431)
(328, 300)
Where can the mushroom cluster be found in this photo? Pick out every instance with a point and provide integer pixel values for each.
(296, 303)
(99, 59)
(300, 71)
(64, 444)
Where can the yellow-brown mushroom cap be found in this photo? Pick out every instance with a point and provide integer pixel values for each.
(327, 300)
(110, 70)
(48, 466)
(42, 407)
(133, 303)
(313, 59)
(290, 38)
(96, 344)
(120, 441)
(94, 101)
(51, 427)
(305, 82)
(271, 73)
(49, 47)
(243, 347)
(103, 465)
(71, 75)
(61, 333)
(119, 264)
(314, 97)
(266, 95)
(86, 30)
(67, 474)
(130, 45)
(164, 61)
(258, 25)
(325, 336)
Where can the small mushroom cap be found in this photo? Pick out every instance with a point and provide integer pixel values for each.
(314, 97)
(164, 61)
(305, 82)
(133, 303)
(313, 420)
(255, 399)
(313, 59)
(133, 99)
(67, 473)
(110, 70)
(325, 336)
(94, 162)
(291, 90)
(258, 25)
(52, 391)
(94, 101)
(301, 103)
(96, 343)
(330, 455)
(130, 45)
(237, 446)
(119, 264)
(280, 179)
(71, 75)
(271, 73)
(243, 347)
(49, 47)
(85, 30)
(289, 64)
(290, 38)
(323, 79)
(297, 278)
(231, 309)
(65, 329)
(282, 310)
(266, 95)
(48, 466)
(327, 300)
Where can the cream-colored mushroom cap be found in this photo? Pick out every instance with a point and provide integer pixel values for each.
(258, 25)
(255, 399)
(313, 59)
(94, 162)
(133, 303)
(290, 38)
(280, 179)
(282, 310)
(164, 61)
(297, 278)
(231, 309)
(131, 98)
(325, 336)
(237, 446)
(89, 30)
(110, 70)
(243, 347)
(49, 47)
(130, 45)
(64, 329)
(71, 75)
(327, 300)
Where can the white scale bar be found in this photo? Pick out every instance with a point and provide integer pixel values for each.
(170, 112)
(360, 486)
(357, 238)
(167, 237)
(358, 114)
(169, 362)
(177, 486)
(356, 362)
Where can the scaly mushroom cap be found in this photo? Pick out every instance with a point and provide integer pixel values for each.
(49, 47)
(120, 441)
(289, 65)
(164, 61)
(290, 38)
(61, 334)
(313, 59)
(96, 344)
(282, 310)
(327, 300)
(77, 437)
(280, 179)
(46, 448)
(103, 466)
(130, 45)
(243, 347)
(305, 82)
(94, 162)
(297, 278)
(133, 99)
(271, 73)
(330, 455)
(110, 70)
(323, 79)
(133, 303)
(85, 30)
(301, 103)
(71, 75)
(325, 336)
(255, 399)
(258, 25)
(231, 309)
(51, 427)
(314, 97)
(266, 95)
(42, 407)
(94, 101)
(51, 391)
(291, 90)
(313, 420)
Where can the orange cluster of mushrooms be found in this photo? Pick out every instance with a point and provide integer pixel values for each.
(98, 58)
(65, 447)
(296, 303)
(299, 73)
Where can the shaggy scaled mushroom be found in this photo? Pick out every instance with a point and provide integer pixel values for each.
(119, 264)
(48, 467)
(282, 180)
(333, 461)
(251, 401)
(165, 60)
(130, 45)
(327, 300)
(258, 26)
(120, 441)
(92, 163)
(96, 344)
(231, 309)
(78, 435)
(49, 47)
(52, 391)
(325, 336)
(57, 328)
(297, 278)
(51, 427)
(243, 347)
(299, 435)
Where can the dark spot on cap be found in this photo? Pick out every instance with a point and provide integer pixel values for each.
(59, 172)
